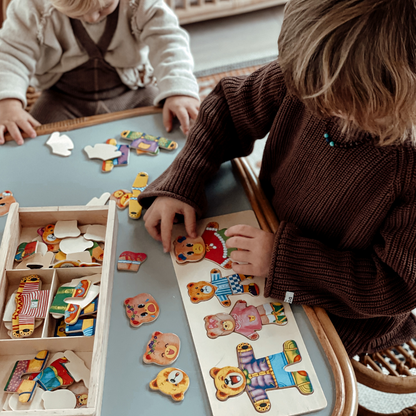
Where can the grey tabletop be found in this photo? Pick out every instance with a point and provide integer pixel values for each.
(39, 178)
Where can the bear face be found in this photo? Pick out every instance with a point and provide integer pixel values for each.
(162, 349)
(201, 291)
(219, 324)
(229, 381)
(189, 249)
(6, 199)
(141, 309)
(171, 381)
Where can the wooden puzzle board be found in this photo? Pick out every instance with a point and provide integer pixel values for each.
(221, 352)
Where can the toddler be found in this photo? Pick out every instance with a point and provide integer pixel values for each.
(339, 166)
(92, 57)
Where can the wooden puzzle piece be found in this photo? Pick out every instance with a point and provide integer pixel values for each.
(34, 305)
(75, 245)
(72, 311)
(75, 366)
(102, 200)
(64, 229)
(85, 327)
(162, 349)
(60, 144)
(256, 376)
(25, 250)
(27, 285)
(221, 287)
(25, 388)
(35, 402)
(96, 252)
(245, 320)
(54, 376)
(210, 245)
(48, 237)
(172, 382)
(141, 309)
(6, 200)
(65, 264)
(81, 394)
(121, 198)
(96, 232)
(37, 261)
(83, 303)
(123, 160)
(128, 260)
(163, 143)
(139, 185)
(59, 399)
(102, 151)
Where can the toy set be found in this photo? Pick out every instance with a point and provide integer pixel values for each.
(250, 350)
(55, 316)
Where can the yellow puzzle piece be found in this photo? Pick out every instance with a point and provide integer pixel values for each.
(139, 185)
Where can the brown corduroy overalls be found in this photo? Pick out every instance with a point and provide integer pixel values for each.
(92, 88)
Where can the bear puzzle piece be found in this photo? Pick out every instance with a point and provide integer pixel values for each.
(48, 237)
(72, 311)
(65, 229)
(162, 349)
(6, 199)
(245, 320)
(25, 250)
(210, 245)
(141, 309)
(257, 375)
(171, 381)
(221, 287)
(163, 143)
(75, 245)
(25, 388)
(102, 151)
(122, 160)
(60, 399)
(139, 185)
(128, 260)
(54, 376)
(60, 144)
(121, 198)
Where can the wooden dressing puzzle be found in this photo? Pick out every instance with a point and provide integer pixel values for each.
(234, 341)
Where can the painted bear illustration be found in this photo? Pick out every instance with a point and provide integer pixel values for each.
(211, 245)
(245, 320)
(257, 375)
(162, 349)
(141, 309)
(221, 287)
(171, 381)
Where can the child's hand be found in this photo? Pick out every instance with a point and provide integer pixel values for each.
(13, 117)
(160, 217)
(183, 107)
(254, 246)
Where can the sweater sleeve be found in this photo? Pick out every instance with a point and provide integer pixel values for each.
(379, 281)
(19, 49)
(239, 111)
(169, 51)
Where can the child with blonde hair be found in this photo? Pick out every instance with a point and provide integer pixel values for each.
(92, 57)
(339, 166)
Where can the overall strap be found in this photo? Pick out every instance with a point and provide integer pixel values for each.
(96, 50)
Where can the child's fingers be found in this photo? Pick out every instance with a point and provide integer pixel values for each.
(190, 222)
(166, 231)
(193, 112)
(27, 127)
(242, 256)
(33, 121)
(241, 229)
(183, 118)
(246, 269)
(167, 118)
(2, 130)
(15, 133)
(242, 243)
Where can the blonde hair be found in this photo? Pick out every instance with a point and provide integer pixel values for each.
(355, 58)
(77, 6)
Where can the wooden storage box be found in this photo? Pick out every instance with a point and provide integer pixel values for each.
(22, 223)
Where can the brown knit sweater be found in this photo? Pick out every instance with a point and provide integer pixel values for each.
(347, 235)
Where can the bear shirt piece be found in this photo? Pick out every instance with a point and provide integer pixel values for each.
(221, 287)
(171, 381)
(245, 320)
(257, 375)
(162, 349)
(141, 309)
(210, 245)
